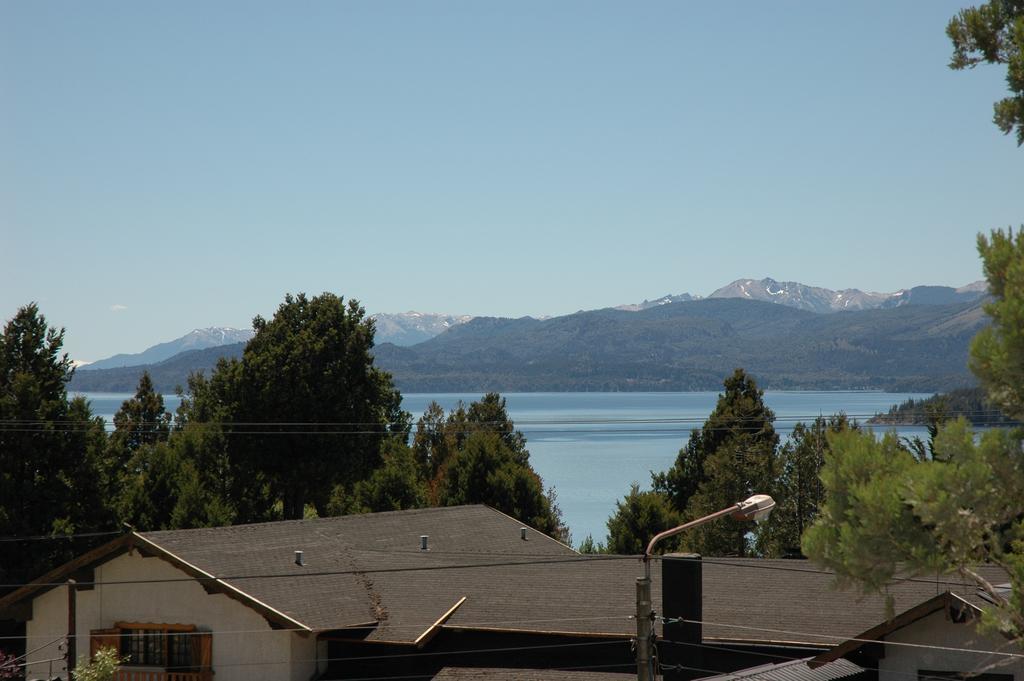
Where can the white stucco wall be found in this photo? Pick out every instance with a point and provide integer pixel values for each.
(244, 645)
(902, 663)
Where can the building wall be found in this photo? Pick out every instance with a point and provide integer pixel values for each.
(244, 645)
(902, 663)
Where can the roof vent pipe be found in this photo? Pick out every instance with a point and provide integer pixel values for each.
(423, 542)
(299, 560)
(522, 533)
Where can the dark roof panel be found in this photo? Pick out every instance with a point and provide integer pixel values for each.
(501, 674)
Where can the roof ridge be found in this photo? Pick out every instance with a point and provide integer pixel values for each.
(349, 517)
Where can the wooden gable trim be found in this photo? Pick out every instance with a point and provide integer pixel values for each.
(274, 617)
(59, 575)
(133, 540)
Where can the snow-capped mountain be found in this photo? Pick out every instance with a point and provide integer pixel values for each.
(410, 328)
(194, 340)
(664, 300)
(817, 299)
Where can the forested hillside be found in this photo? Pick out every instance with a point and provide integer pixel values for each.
(680, 346)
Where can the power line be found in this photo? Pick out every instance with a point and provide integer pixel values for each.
(326, 573)
(924, 646)
(531, 422)
(58, 537)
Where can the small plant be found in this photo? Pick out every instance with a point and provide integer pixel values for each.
(9, 666)
(102, 667)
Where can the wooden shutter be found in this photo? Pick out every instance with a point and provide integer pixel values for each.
(104, 638)
(202, 650)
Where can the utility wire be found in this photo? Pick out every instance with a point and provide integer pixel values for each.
(543, 559)
(923, 646)
(517, 423)
(326, 573)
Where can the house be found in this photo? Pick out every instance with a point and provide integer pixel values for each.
(428, 592)
(935, 640)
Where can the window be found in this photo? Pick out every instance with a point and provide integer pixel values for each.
(174, 647)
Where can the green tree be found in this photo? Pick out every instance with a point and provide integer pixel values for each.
(951, 511)
(396, 485)
(151, 488)
(997, 352)
(51, 450)
(305, 407)
(731, 457)
(142, 420)
(739, 413)
(589, 546)
(487, 471)
(799, 490)
(433, 442)
(993, 33)
(637, 518)
(887, 511)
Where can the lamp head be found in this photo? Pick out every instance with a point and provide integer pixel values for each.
(756, 508)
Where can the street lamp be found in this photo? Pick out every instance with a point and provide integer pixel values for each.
(754, 508)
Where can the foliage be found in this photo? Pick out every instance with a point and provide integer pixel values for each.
(10, 667)
(997, 353)
(588, 546)
(993, 33)
(731, 457)
(306, 407)
(799, 492)
(474, 454)
(683, 346)
(102, 666)
(142, 420)
(51, 450)
(394, 486)
(637, 518)
(487, 471)
(971, 403)
(887, 511)
(958, 507)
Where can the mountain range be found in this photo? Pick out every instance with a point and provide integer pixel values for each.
(914, 339)
(197, 339)
(823, 300)
(410, 328)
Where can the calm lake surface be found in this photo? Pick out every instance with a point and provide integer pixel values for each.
(591, 446)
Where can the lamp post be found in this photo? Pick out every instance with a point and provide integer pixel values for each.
(756, 508)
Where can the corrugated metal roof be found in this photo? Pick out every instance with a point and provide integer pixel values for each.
(503, 674)
(792, 670)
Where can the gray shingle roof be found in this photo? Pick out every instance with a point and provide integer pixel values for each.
(364, 568)
(510, 584)
(368, 570)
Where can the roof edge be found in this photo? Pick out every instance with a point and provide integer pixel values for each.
(57, 576)
(269, 613)
(942, 601)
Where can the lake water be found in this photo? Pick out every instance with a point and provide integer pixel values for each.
(591, 446)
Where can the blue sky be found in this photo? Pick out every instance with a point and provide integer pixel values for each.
(166, 166)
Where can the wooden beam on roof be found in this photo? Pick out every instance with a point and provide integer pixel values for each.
(431, 631)
(943, 601)
(541, 632)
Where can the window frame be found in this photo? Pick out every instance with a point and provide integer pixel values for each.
(169, 634)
